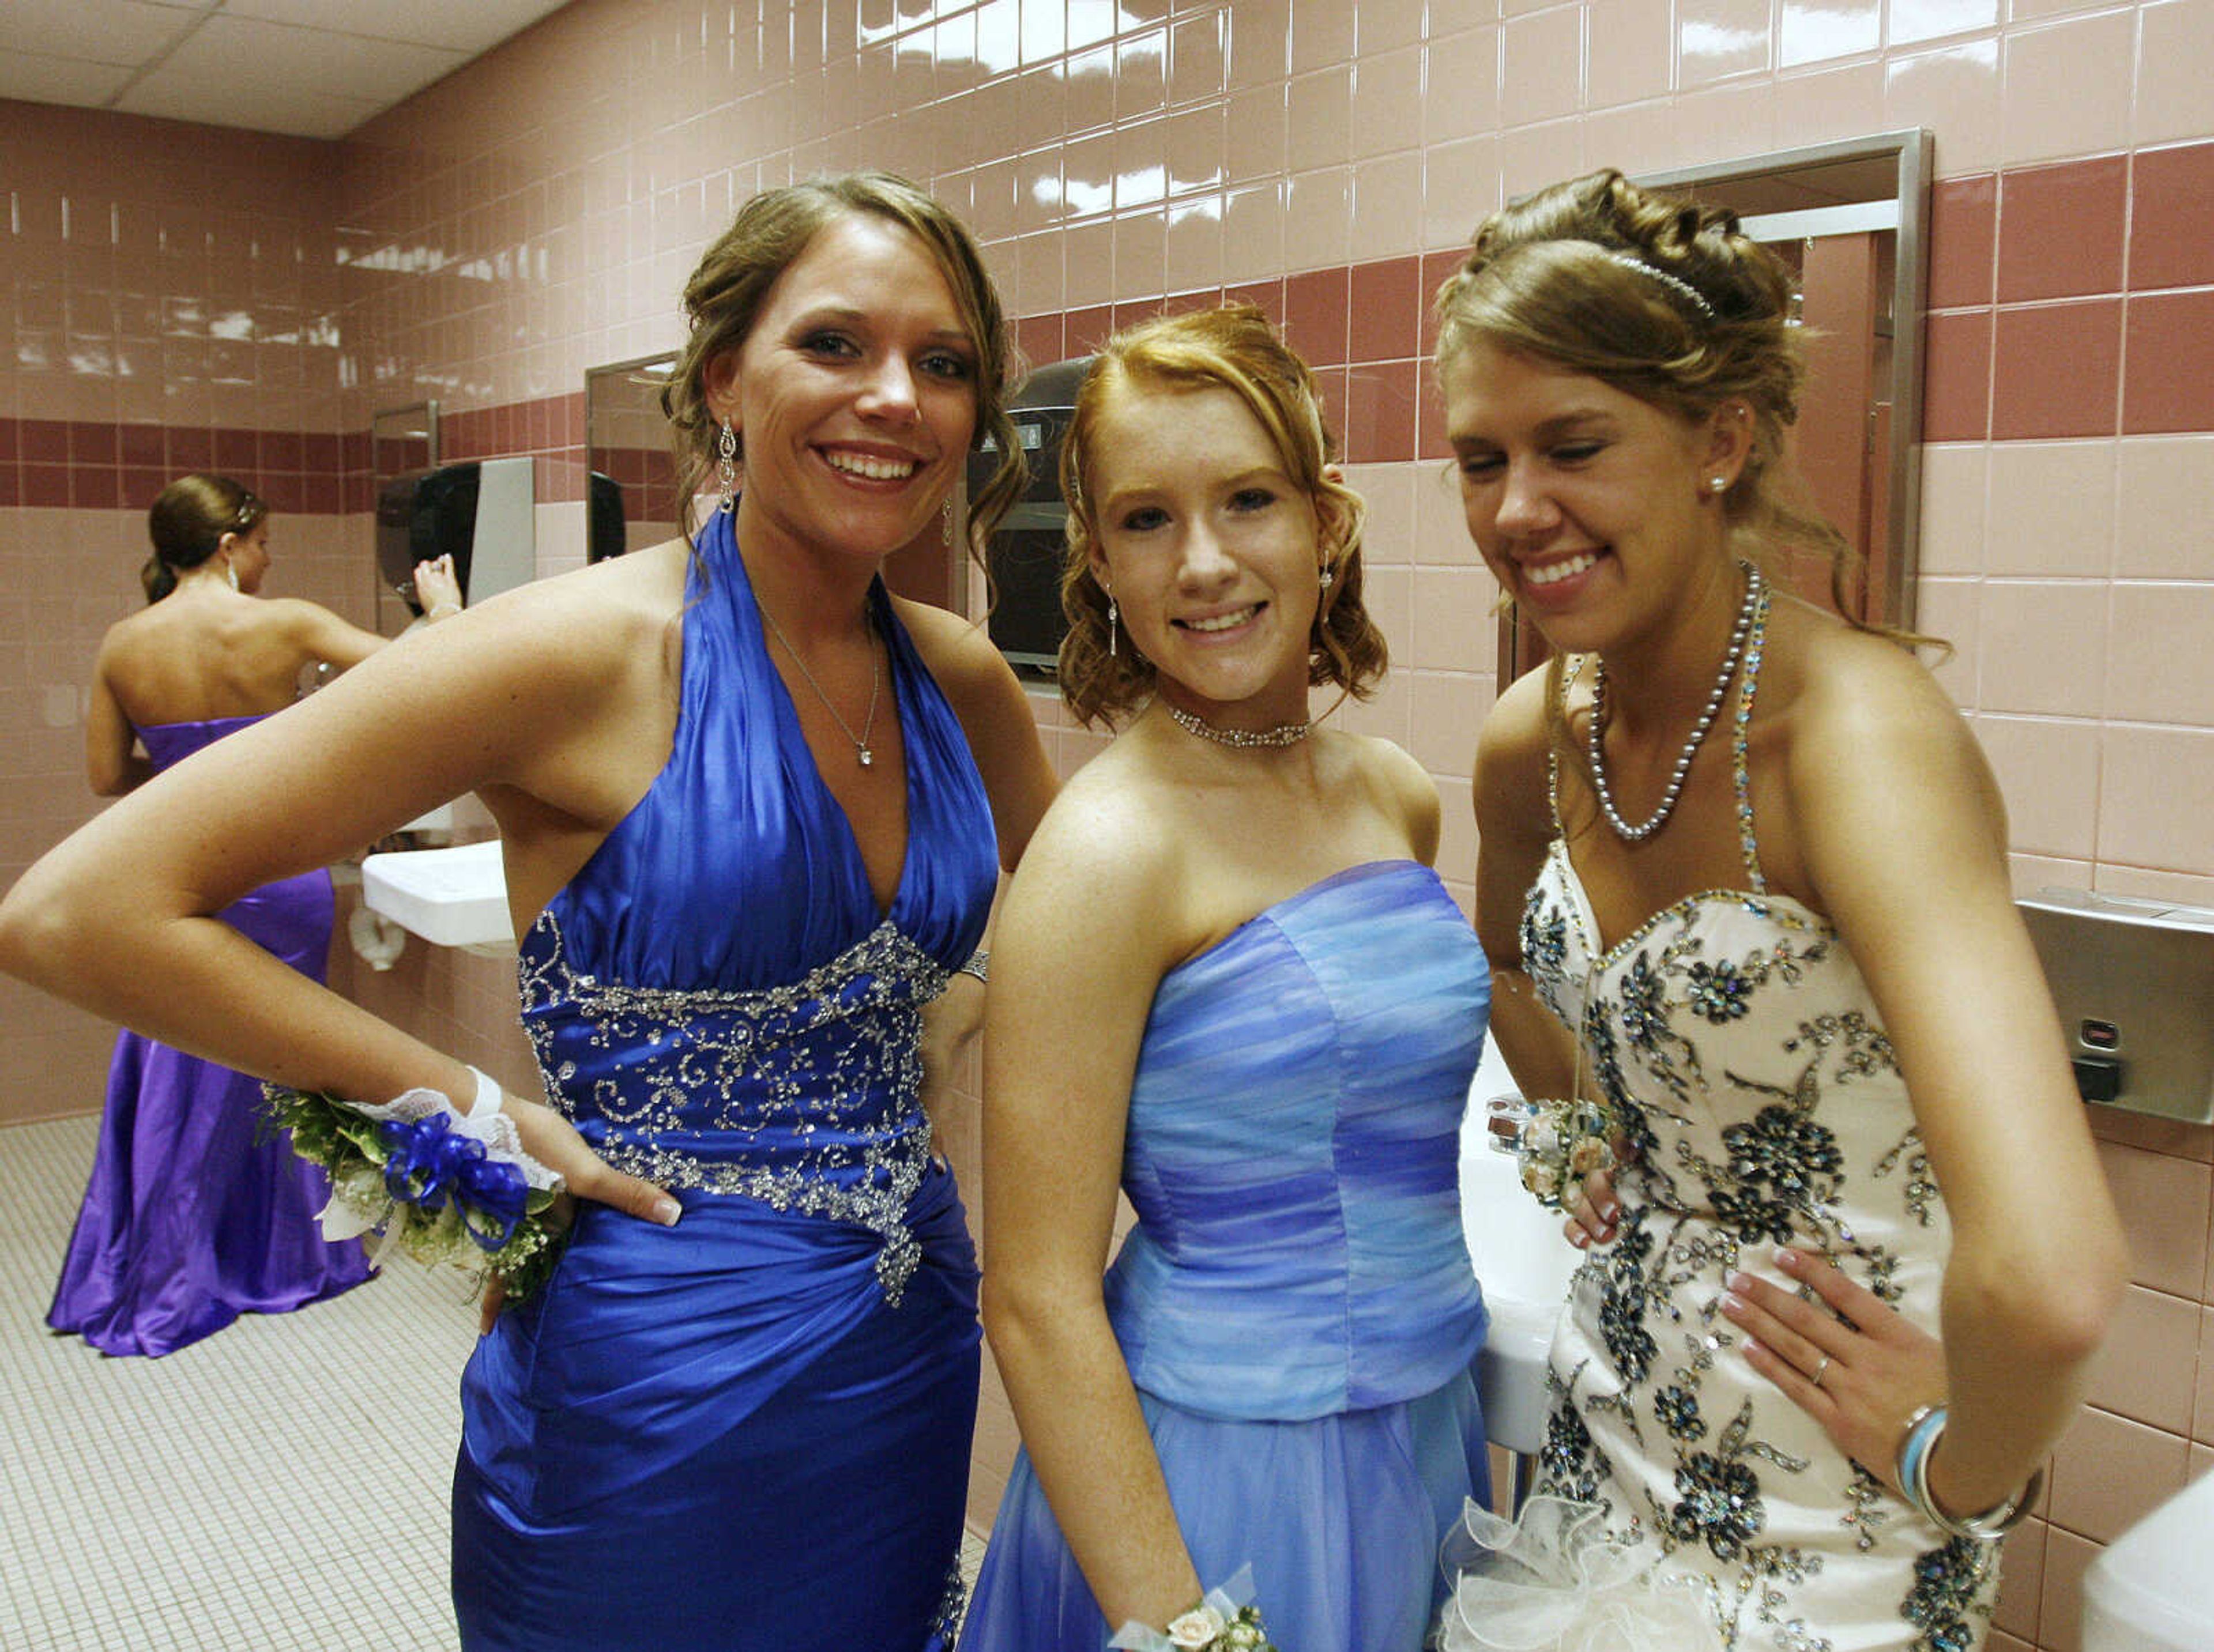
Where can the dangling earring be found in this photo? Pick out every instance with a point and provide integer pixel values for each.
(946, 522)
(1328, 578)
(230, 573)
(1114, 619)
(726, 469)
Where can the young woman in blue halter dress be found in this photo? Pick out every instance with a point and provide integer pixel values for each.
(1743, 878)
(1227, 982)
(190, 1216)
(749, 805)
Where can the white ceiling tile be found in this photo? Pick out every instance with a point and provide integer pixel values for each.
(474, 26)
(59, 80)
(294, 113)
(251, 59)
(125, 32)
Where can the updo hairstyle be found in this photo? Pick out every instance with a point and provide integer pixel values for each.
(1590, 275)
(186, 524)
(723, 300)
(1232, 348)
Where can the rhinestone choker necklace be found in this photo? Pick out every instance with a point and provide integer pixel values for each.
(1597, 729)
(1289, 733)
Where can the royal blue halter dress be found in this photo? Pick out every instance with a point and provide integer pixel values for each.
(750, 1430)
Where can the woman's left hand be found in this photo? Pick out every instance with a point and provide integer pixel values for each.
(1849, 1360)
(436, 586)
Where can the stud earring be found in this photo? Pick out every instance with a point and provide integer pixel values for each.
(1720, 485)
(1114, 621)
(726, 469)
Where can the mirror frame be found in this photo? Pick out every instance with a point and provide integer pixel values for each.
(1907, 156)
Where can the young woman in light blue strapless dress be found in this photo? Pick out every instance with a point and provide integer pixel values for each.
(1230, 985)
(1743, 879)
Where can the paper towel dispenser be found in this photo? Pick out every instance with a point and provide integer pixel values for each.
(1026, 551)
(483, 514)
(2133, 980)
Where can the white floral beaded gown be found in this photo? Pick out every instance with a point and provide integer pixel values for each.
(1737, 1039)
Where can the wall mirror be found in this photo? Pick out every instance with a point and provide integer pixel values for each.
(401, 440)
(1852, 219)
(633, 479)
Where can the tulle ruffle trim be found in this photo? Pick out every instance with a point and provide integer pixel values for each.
(1552, 1581)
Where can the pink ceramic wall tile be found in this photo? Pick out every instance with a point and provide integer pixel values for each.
(1386, 300)
(1379, 410)
(2160, 669)
(1955, 480)
(2108, 1472)
(1387, 103)
(2172, 198)
(2022, 1580)
(1950, 609)
(1952, 89)
(1530, 157)
(1461, 99)
(1956, 376)
(1447, 709)
(2056, 369)
(1910, 22)
(1141, 73)
(2170, 351)
(2158, 795)
(2048, 771)
(1453, 620)
(2060, 1611)
(1963, 240)
(2060, 229)
(1542, 66)
(2067, 88)
(2051, 509)
(2168, 103)
(1260, 47)
(2202, 1426)
(1322, 35)
(1819, 31)
(1321, 118)
(1388, 203)
(1460, 188)
(1318, 219)
(2148, 1370)
(1629, 55)
(1716, 39)
(2164, 1205)
(1832, 104)
(2162, 485)
(1199, 57)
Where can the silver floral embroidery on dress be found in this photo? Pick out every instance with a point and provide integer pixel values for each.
(807, 1097)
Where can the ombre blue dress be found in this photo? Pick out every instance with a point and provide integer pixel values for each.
(1296, 1301)
(750, 1430)
(191, 1216)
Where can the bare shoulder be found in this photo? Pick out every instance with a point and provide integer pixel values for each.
(1402, 784)
(1108, 840)
(1853, 698)
(577, 632)
(959, 652)
(1512, 749)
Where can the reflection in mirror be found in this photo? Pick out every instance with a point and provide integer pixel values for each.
(401, 440)
(1851, 219)
(632, 498)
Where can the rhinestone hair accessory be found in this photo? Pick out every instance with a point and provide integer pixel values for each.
(1683, 289)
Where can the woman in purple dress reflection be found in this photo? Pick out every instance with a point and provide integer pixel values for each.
(189, 1219)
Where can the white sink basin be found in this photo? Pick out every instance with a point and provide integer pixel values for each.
(1524, 1264)
(2150, 1590)
(450, 897)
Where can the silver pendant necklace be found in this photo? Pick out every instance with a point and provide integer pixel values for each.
(876, 681)
(1287, 733)
(1593, 734)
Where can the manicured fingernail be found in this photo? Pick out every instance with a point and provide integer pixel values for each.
(1732, 1302)
(1788, 1260)
(1750, 1346)
(665, 1211)
(1739, 1282)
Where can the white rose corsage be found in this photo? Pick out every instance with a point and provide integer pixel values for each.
(1225, 1620)
(438, 1183)
(1557, 1144)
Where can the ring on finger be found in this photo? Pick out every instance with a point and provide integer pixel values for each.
(1820, 1371)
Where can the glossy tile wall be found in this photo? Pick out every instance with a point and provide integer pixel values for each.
(535, 214)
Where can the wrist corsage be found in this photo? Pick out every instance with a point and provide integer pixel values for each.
(1225, 1620)
(440, 1184)
(1557, 1144)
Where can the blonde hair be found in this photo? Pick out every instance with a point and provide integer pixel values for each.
(723, 300)
(1232, 348)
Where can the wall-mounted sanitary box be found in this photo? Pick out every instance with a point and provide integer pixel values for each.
(2134, 982)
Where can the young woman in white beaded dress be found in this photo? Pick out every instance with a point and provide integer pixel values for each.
(1753, 853)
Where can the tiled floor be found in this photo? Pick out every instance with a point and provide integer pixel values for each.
(281, 1485)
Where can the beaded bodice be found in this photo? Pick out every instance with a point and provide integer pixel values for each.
(1734, 1036)
(716, 999)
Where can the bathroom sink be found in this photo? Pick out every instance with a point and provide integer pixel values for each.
(2149, 1589)
(1524, 1264)
(453, 897)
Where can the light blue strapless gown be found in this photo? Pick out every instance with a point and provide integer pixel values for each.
(750, 1430)
(1296, 1302)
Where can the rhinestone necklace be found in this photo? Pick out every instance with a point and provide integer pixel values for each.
(876, 681)
(1287, 733)
(1595, 733)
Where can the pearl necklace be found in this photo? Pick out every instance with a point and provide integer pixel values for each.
(876, 681)
(1289, 733)
(1593, 734)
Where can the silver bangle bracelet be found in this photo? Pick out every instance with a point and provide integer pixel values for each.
(1915, 1447)
(978, 965)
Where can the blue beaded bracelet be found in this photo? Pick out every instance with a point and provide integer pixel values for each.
(1923, 1429)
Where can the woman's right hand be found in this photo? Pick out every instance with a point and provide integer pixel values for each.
(554, 1143)
(436, 586)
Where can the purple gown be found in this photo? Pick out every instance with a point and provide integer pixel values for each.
(188, 1222)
